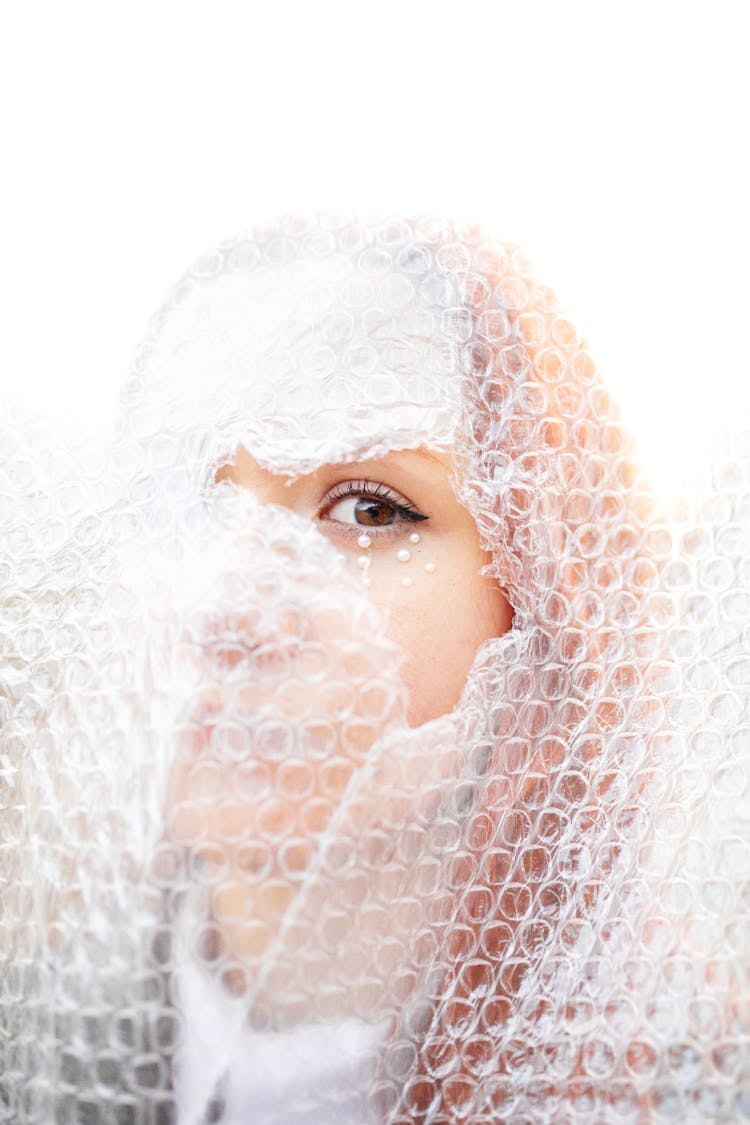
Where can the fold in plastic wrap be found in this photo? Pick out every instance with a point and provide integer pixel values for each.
(239, 882)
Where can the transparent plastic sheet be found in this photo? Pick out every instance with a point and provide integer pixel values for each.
(244, 878)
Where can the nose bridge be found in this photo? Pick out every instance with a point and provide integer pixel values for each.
(267, 487)
(263, 575)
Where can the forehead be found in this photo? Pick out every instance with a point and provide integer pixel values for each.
(312, 359)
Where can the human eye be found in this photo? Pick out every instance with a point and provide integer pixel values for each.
(368, 507)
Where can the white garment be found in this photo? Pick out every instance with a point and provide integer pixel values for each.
(313, 1075)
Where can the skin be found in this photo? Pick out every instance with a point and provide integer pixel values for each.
(445, 614)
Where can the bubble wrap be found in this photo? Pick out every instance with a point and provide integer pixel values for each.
(321, 803)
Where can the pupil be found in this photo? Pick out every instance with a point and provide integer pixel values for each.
(374, 513)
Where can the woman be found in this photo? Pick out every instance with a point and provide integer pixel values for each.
(387, 739)
(387, 385)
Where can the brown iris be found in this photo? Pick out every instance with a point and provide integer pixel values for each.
(374, 513)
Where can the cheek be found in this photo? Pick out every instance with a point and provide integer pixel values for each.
(439, 622)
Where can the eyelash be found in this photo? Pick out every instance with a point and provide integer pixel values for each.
(373, 489)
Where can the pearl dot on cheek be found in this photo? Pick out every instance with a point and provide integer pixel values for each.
(403, 555)
(414, 537)
(430, 568)
(364, 541)
(363, 562)
(406, 582)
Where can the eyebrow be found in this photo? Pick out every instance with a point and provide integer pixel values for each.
(418, 451)
(443, 460)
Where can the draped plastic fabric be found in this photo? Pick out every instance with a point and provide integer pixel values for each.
(237, 884)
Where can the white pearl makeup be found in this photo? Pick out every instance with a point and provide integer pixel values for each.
(403, 555)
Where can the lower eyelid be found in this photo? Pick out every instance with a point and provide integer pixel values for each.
(354, 531)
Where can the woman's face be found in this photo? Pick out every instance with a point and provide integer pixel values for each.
(316, 399)
(417, 549)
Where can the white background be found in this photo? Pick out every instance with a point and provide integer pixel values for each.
(610, 139)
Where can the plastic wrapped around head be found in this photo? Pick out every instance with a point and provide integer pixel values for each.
(342, 726)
